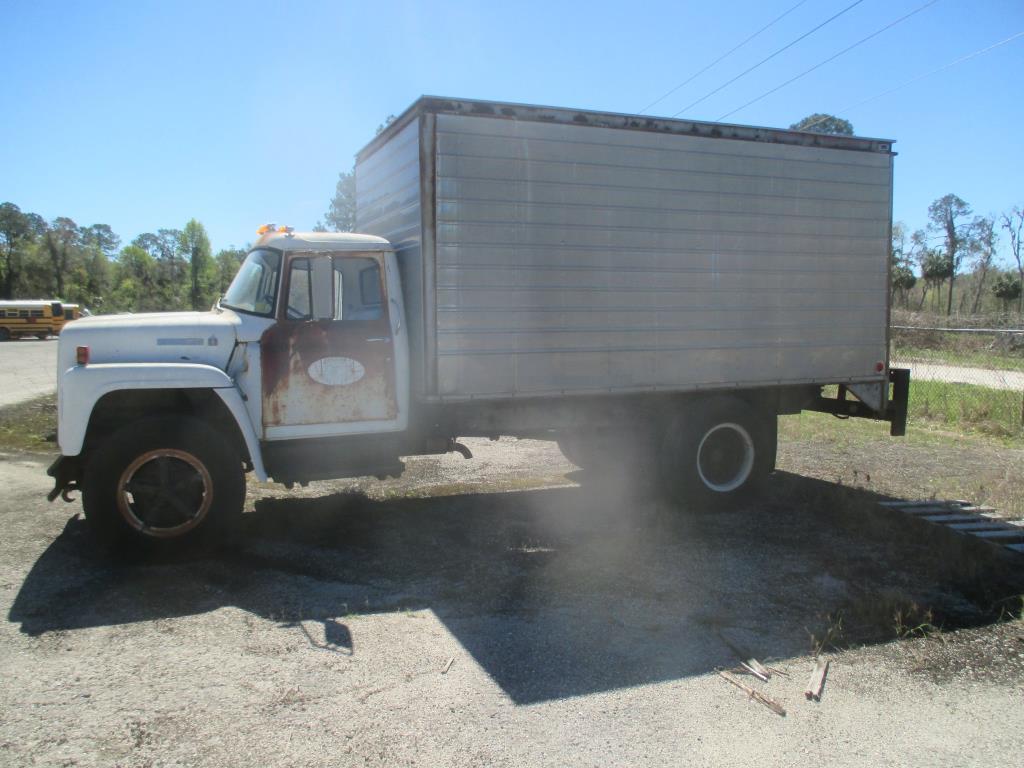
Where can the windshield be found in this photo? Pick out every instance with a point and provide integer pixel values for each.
(254, 288)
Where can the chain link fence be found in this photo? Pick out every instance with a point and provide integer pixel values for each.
(965, 377)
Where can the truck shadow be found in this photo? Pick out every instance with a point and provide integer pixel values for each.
(556, 592)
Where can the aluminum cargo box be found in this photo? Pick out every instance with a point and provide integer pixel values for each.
(550, 251)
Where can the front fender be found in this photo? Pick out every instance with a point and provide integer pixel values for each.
(82, 386)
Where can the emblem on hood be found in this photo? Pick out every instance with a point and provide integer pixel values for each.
(179, 342)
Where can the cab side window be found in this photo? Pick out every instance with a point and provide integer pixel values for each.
(300, 290)
(357, 289)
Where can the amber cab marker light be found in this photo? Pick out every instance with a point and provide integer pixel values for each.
(264, 229)
(82, 355)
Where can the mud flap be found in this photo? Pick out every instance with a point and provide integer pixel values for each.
(896, 413)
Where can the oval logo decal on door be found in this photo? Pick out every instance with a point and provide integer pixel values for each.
(336, 371)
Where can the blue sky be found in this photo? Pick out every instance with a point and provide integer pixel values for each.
(143, 115)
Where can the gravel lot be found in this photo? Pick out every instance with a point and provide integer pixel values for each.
(29, 369)
(585, 618)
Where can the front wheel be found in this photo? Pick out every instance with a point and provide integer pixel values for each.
(164, 482)
(717, 454)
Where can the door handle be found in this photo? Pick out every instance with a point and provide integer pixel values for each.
(398, 316)
(382, 338)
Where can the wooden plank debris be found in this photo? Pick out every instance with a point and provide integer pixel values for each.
(750, 669)
(965, 518)
(977, 526)
(817, 681)
(954, 518)
(1000, 534)
(750, 665)
(448, 666)
(905, 505)
(755, 694)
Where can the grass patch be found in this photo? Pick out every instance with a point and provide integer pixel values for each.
(922, 431)
(968, 407)
(932, 461)
(27, 426)
(949, 406)
(810, 426)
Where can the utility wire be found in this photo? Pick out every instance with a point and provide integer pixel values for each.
(694, 76)
(768, 58)
(820, 64)
(944, 67)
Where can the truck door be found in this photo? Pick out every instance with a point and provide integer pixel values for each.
(328, 364)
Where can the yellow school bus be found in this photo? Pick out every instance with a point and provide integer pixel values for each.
(30, 318)
(71, 312)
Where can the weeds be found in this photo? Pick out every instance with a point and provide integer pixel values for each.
(1010, 608)
(875, 617)
(970, 407)
(912, 621)
(30, 426)
(831, 637)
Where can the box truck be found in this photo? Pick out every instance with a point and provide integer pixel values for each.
(634, 288)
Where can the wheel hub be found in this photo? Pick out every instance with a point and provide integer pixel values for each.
(164, 493)
(725, 457)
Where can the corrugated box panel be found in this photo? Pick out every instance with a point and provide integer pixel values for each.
(593, 259)
(388, 205)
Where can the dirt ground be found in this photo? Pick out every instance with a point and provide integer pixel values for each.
(514, 610)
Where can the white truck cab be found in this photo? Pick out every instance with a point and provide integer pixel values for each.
(157, 411)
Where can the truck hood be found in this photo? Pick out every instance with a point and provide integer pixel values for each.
(152, 337)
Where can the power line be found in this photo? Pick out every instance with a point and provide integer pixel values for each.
(913, 80)
(820, 64)
(694, 76)
(768, 58)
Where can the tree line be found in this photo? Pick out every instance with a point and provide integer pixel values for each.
(958, 247)
(166, 270)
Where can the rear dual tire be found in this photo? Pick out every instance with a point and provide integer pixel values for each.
(717, 454)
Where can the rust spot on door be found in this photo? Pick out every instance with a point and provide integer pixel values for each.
(328, 372)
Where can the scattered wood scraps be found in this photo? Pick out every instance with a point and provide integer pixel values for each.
(758, 670)
(748, 664)
(817, 680)
(755, 694)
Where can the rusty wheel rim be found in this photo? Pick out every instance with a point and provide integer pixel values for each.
(164, 493)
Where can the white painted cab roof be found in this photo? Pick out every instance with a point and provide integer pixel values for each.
(322, 241)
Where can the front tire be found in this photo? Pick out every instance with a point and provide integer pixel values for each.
(717, 453)
(167, 482)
